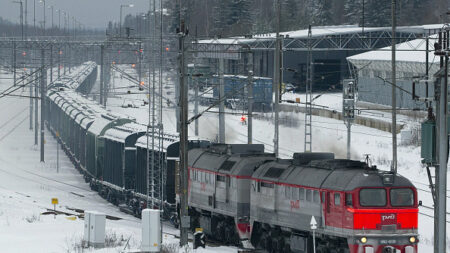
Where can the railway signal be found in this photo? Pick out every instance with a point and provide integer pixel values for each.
(348, 107)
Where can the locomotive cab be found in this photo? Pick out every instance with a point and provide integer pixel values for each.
(384, 217)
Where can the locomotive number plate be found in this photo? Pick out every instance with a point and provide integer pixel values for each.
(388, 241)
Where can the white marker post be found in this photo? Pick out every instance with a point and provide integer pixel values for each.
(313, 224)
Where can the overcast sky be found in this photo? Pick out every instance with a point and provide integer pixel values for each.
(92, 13)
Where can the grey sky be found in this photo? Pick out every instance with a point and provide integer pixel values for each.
(92, 13)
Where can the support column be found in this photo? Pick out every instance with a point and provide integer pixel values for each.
(221, 103)
(184, 214)
(14, 62)
(349, 132)
(59, 62)
(43, 91)
(36, 106)
(277, 81)
(102, 72)
(250, 99)
(195, 81)
(51, 63)
(31, 99)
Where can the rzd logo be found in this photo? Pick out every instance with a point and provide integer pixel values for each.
(388, 219)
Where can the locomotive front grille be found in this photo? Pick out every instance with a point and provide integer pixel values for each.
(389, 249)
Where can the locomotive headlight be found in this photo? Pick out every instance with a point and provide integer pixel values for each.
(412, 239)
(363, 239)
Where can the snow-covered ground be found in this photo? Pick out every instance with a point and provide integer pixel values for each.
(27, 186)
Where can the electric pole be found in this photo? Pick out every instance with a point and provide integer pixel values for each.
(308, 93)
(36, 105)
(102, 72)
(184, 215)
(221, 102)
(43, 91)
(394, 95)
(51, 63)
(250, 98)
(14, 62)
(277, 79)
(30, 80)
(195, 81)
(442, 142)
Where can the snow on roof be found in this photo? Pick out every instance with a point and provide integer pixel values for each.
(320, 31)
(167, 141)
(85, 122)
(97, 127)
(121, 133)
(411, 51)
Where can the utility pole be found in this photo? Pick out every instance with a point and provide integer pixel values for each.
(184, 215)
(36, 112)
(21, 15)
(34, 17)
(308, 100)
(43, 91)
(277, 80)
(51, 63)
(196, 100)
(250, 98)
(394, 95)
(102, 72)
(153, 66)
(14, 62)
(26, 18)
(30, 78)
(221, 102)
(59, 61)
(442, 141)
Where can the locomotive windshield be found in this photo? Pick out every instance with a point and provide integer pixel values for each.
(402, 197)
(372, 197)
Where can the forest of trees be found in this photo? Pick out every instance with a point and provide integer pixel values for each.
(240, 17)
(219, 18)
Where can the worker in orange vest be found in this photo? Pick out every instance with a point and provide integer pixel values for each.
(243, 120)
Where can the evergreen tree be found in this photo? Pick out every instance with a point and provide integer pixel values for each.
(290, 15)
(353, 11)
(378, 13)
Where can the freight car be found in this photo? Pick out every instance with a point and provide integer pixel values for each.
(111, 150)
(238, 192)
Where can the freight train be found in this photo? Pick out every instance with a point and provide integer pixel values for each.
(238, 193)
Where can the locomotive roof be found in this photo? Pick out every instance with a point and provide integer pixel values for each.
(234, 159)
(334, 174)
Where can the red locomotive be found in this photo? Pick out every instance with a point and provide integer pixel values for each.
(239, 194)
